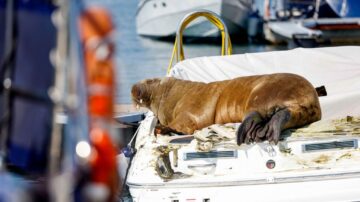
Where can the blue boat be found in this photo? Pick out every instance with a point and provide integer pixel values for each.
(339, 8)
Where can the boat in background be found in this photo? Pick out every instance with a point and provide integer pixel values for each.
(159, 18)
(326, 22)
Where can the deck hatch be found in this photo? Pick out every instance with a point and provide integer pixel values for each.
(210, 154)
(330, 145)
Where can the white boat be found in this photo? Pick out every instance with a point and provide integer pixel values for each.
(319, 162)
(160, 18)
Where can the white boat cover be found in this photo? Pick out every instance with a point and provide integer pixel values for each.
(337, 68)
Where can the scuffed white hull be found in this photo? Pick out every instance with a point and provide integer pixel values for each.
(277, 192)
(297, 176)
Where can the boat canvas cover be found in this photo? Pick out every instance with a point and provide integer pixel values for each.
(336, 68)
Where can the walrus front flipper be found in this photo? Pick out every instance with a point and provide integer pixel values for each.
(248, 127)
(254, 128)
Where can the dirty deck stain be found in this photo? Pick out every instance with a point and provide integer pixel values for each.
(344, 156)
(322, 159)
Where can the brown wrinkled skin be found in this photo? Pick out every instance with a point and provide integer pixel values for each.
(186, 106)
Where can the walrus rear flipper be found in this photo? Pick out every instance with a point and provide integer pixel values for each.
(255, 128)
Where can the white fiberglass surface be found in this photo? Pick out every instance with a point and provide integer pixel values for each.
(308, 156)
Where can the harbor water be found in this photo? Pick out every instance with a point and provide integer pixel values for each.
(138, 57)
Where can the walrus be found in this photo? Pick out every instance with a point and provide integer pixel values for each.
(265, 104)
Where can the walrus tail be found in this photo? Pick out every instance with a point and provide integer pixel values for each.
(321, 91)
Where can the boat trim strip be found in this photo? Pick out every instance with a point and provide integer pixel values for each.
(269, 180)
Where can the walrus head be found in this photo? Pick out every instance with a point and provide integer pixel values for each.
(141, 92)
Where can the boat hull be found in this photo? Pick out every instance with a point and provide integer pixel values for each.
(325, 190)
(160, 19)
(308, 165)
(313, 32)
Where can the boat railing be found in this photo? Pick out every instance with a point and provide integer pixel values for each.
(178, 50)
(141, 5)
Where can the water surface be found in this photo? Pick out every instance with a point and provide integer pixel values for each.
(138, 58)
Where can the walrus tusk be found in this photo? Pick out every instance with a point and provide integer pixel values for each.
(265, 104)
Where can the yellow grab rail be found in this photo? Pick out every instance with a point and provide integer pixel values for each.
(178, 50)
